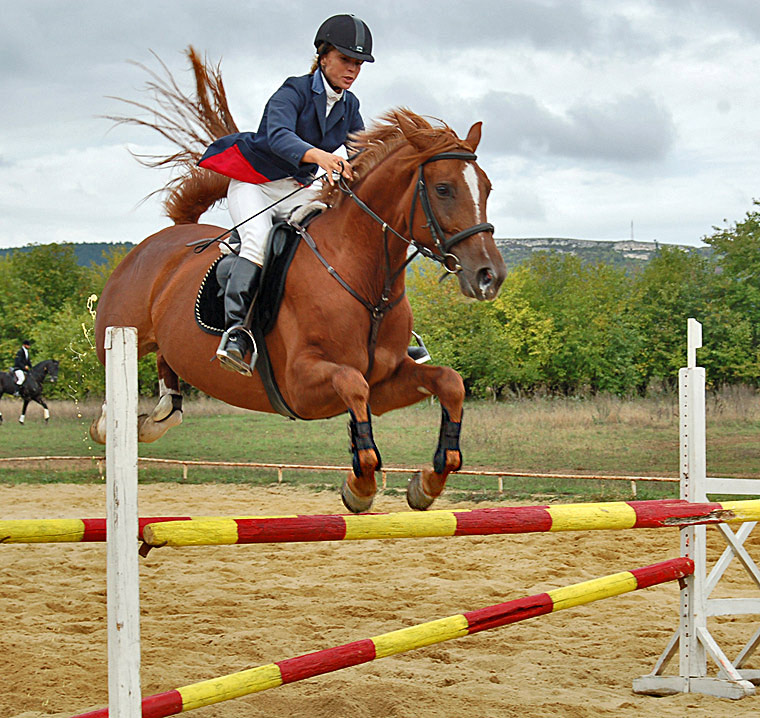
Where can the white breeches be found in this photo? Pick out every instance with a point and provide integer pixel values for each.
(19, 376)
(245, 199)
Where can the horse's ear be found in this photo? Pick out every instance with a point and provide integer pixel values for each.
(410, 131)
(473, 136)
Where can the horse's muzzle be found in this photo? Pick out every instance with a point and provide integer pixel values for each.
(483, 283)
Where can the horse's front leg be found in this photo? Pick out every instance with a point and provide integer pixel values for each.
(23, 411)
(359, 488)
(45, 410)
(408, 385)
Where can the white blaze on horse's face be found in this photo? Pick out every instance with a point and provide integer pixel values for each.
(471, 180)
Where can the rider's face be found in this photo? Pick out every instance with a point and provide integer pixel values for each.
(339, 69)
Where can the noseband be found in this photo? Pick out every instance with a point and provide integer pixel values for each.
(442, 244)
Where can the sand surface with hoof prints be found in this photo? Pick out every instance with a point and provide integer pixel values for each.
(210, 611)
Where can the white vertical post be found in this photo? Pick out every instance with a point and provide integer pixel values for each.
(692, 640)
(694, 341)
(691, 387)
(123, 600)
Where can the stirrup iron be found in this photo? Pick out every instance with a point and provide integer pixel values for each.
(232, 362)
(419, 353)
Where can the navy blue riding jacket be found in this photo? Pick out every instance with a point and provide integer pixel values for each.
(293, 122)
(21, 361)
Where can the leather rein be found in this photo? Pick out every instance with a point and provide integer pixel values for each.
(443, 245)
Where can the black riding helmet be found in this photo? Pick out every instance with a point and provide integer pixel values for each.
(348, 34)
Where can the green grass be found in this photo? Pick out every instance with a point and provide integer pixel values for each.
(600, 436)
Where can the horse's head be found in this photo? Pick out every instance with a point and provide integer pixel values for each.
(448, 210)
(51, 369)
(424, 185)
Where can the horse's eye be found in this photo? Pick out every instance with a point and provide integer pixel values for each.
(443, 190)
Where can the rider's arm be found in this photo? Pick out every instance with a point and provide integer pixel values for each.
(283, 110)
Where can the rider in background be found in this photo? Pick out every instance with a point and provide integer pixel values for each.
(303, 124)
(22, 364)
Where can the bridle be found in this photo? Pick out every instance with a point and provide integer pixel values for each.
(443, 246)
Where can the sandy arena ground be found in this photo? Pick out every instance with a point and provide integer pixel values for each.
(210, 611)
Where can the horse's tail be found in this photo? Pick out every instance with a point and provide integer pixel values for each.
(191, 124)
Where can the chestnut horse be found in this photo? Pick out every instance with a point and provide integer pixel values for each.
(414, 185)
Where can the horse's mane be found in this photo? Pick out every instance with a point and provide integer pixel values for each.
(369, 147)
(192, 123)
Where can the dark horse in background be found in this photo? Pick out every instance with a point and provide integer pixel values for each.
(31, 389)
(416, 186)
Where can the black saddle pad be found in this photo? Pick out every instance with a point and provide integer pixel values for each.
(209, 304)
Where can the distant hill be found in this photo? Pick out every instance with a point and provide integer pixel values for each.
(627, 254)
(86, 253)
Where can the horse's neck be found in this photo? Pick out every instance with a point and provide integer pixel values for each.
(355, 244)
(360, 240)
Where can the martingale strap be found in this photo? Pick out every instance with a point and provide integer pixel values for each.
(376, 311)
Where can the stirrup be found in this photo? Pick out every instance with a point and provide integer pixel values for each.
(233, 362)
(419, 353)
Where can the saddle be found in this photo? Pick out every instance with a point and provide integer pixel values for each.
(209, 303)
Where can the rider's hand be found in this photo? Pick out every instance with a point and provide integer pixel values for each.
(329, 163)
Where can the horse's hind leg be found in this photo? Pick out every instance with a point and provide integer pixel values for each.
(411, 383)
(168, 412)
(98, 426)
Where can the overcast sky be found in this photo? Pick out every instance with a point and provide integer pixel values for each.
(601, 118)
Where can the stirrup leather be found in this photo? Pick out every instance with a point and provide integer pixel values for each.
(231, 361)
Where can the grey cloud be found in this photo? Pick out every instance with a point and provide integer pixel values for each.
(632, 128)
(740, 16)
(585, 28)
(453, 26)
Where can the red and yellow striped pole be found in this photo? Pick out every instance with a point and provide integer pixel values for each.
(291, 670)
(190, 531)
(475, 522)
(65, 530)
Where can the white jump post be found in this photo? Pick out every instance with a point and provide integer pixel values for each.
(123, 602)
(692, 639)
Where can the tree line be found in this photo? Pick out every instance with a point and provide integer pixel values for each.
(558, 326)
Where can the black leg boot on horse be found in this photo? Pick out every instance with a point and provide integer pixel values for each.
(239, 296)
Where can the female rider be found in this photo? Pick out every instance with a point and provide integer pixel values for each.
(304, 122)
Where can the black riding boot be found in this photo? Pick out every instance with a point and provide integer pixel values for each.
(239, 295)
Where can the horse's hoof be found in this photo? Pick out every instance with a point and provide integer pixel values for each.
(415, 494)
(355, 503)
(98, 430)
(149, 430)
